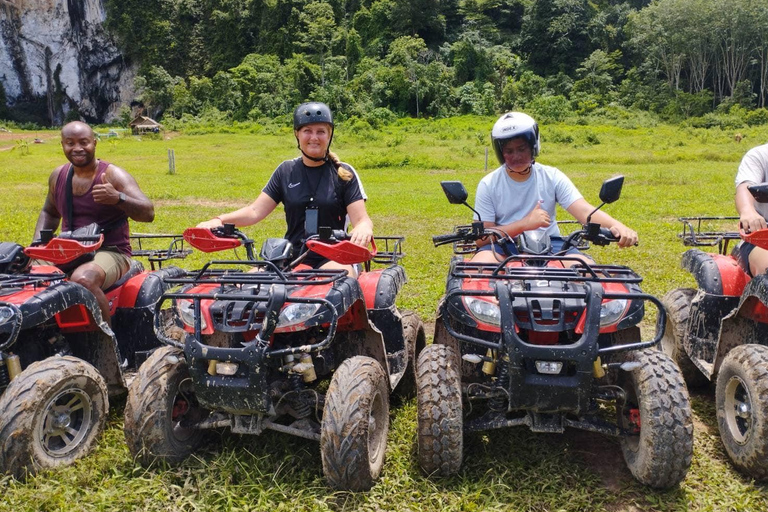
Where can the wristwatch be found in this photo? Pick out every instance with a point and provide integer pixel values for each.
(121, 198)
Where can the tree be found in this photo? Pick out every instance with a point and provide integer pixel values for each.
(421, 18)
(411, 54)
(470, 57)
(318, 27)
(353, 51)
(736, 36)
(155, 90)
(656, 34)
(598, 74)
(554, 35)
(762, 51)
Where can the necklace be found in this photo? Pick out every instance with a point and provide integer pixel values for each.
(319, 173)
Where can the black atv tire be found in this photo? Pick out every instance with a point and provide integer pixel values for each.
(661, 454)
(51, 414)
(677, 303)
(353, 434)
(440, 422)
(741, 397)
(415, 341)
(153, 428)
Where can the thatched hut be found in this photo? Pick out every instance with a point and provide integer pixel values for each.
(144, 124)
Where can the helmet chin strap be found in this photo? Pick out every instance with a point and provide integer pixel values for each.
(314, 159)
(522, 173)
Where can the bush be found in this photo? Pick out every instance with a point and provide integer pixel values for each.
(357, 126)
(556, 136)
(717, 120)
(72, 115)
(757, 117)
(379, 117)
(550, 109)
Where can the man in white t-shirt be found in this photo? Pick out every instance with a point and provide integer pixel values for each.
(522, 194)
(752, 170)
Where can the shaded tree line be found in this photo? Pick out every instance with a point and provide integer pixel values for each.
(251, 59)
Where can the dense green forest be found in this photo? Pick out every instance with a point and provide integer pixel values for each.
(246, 60)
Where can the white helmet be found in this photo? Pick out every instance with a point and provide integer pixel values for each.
(515, 124)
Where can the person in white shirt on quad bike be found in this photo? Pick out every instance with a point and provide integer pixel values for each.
(533, 333)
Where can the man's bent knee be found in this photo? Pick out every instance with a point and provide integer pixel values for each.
(758, 261)
(89, 275)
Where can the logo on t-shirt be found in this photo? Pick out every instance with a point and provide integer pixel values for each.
(292, 185)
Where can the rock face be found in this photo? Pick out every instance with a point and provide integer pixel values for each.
(58, 51)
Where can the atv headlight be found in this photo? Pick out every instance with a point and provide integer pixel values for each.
(486, 312)
(6, 314)
(611, 311)
(296, 313)
(186, 311)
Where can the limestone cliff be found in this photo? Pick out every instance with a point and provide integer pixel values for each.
(59, 51)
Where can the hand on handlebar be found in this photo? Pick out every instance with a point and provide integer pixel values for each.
(626, 237)
(210, 224)
(752, 221)
(361, 235)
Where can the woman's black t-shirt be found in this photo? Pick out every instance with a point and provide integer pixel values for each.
(299, 187)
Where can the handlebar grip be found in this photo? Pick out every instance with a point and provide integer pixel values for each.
(446, 239)
(608, 235)
(340, 234)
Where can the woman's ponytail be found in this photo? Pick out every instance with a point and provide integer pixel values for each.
(343, 173)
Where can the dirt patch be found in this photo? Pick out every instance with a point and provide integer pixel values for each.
(603, 456)
(8, 139)
(429, 329)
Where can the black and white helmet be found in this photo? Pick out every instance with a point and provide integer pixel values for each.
(312, 112)
(515, 124)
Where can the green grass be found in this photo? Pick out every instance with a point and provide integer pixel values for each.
(670, 172)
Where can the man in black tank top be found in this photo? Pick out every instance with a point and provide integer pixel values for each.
(114, 188)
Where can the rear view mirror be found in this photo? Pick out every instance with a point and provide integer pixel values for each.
(454, 191)
(759, 192)
(611, 189)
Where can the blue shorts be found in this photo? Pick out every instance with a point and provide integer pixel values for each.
(556, 241)
(741, 252)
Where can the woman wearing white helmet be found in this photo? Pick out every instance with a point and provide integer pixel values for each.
(521, 195)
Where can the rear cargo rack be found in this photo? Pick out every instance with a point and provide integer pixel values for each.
(390, 249)
(16, 281)
(694, 236)
(175, 249)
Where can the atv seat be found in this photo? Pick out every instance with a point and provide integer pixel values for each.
(135, 269)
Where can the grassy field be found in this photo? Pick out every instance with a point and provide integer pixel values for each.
(670, 172)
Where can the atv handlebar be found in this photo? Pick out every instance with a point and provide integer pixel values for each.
(469, 234)
(447, 239)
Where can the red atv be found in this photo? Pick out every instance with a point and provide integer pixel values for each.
(312, 353)
(534, 342)
(719, 332)
(60, 360)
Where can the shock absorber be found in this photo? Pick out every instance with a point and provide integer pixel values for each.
(4, 378)
(499, 401)
(301, 408)
(10, 367)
